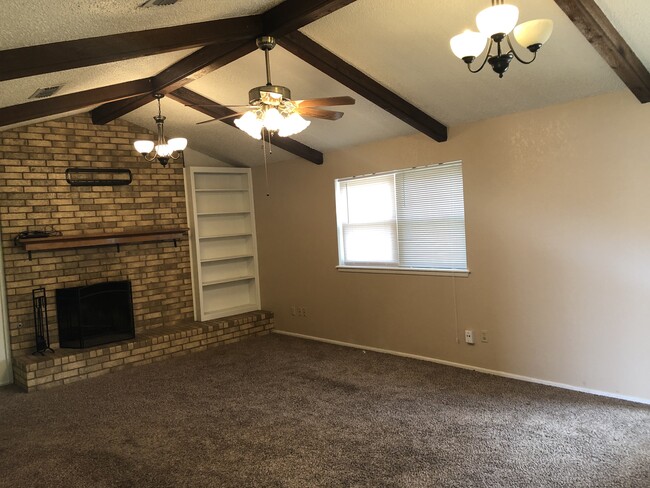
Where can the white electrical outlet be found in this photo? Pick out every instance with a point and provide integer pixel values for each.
(293, 310)
(469, 336)
(484, 336)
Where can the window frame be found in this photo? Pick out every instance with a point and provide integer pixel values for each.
(379, 269)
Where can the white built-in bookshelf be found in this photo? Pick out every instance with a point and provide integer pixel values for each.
(224, 242)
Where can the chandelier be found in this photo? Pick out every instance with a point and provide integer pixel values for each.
(161, 150)
(495, 24)
(271, 107)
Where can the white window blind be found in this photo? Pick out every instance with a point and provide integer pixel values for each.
(407, 219)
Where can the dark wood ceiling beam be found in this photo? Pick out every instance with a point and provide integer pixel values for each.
(291, 15)
(179, 74)
(213, 109)
(58, 56)
(587, 16)
(346, 74)
(285, 17)
(71, 102)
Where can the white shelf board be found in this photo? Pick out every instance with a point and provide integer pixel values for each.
(227, 258)
(228, 280)
(215, 314)
(217, 190)
(227, 236)
(207, 214)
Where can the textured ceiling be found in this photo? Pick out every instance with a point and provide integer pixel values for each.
(31, 22)
(17, 91)
(403, 44)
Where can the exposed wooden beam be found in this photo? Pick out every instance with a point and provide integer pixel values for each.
(213, 109)
(179, 74)
(343, 72)
(47, 58)
(291, 15)
(603, 36)
(73, 101)
(285, 17)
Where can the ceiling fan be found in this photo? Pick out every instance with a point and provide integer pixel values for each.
(271, 107)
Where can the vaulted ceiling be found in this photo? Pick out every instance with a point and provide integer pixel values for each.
(393, 57)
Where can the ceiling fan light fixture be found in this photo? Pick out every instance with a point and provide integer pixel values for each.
(272, 109)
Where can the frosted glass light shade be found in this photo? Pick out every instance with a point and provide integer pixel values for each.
(250, 124)
(534, 32)
(272, 119)
(163, 150)
(143, 147)
(293, 124)
(177, 143)
(467, 44)
(499, 19)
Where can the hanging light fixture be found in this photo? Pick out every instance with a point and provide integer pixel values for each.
(271, 105)
(161, 150)
(495, 23)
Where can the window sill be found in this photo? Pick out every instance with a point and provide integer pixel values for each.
(462, 273)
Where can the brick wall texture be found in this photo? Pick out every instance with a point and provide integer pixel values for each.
(35, 195)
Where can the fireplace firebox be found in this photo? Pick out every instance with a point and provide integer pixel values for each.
(95, 314)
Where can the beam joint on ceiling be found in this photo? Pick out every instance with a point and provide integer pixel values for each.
(591, 21)
(71, 102)
(215, 110)
(313, 53)
(179, 74)
(288, 15)
(58, 56)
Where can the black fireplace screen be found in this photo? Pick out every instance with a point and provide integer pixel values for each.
(95, 314)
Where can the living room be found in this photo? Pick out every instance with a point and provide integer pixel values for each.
(553, 288)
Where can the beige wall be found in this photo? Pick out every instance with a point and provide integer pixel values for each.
(558, 237)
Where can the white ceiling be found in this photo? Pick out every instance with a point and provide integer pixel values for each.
(32, 22)
(403, 45)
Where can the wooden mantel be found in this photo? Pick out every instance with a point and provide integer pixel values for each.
(100, 239)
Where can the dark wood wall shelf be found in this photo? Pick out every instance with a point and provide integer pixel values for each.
(100, 239)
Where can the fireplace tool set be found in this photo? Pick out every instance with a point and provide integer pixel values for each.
(41, 326)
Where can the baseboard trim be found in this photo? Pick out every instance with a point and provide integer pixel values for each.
(645, 401)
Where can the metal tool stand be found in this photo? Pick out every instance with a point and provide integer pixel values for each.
(41, 326)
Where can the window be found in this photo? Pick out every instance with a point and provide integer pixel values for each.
(407, 220)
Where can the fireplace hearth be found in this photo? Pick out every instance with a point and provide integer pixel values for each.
(95, 314)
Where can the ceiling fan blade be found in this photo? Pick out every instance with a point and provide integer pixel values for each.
(220, 118)
(325, 102)
(218, 105)
(320, 113)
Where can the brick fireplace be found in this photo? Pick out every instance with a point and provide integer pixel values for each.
(35, 195)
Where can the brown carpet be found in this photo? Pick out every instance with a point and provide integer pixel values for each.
(283, 412)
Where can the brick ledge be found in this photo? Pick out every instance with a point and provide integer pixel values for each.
(35, 372)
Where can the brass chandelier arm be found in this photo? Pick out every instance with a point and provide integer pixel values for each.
(151, 159)
(514, 53)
